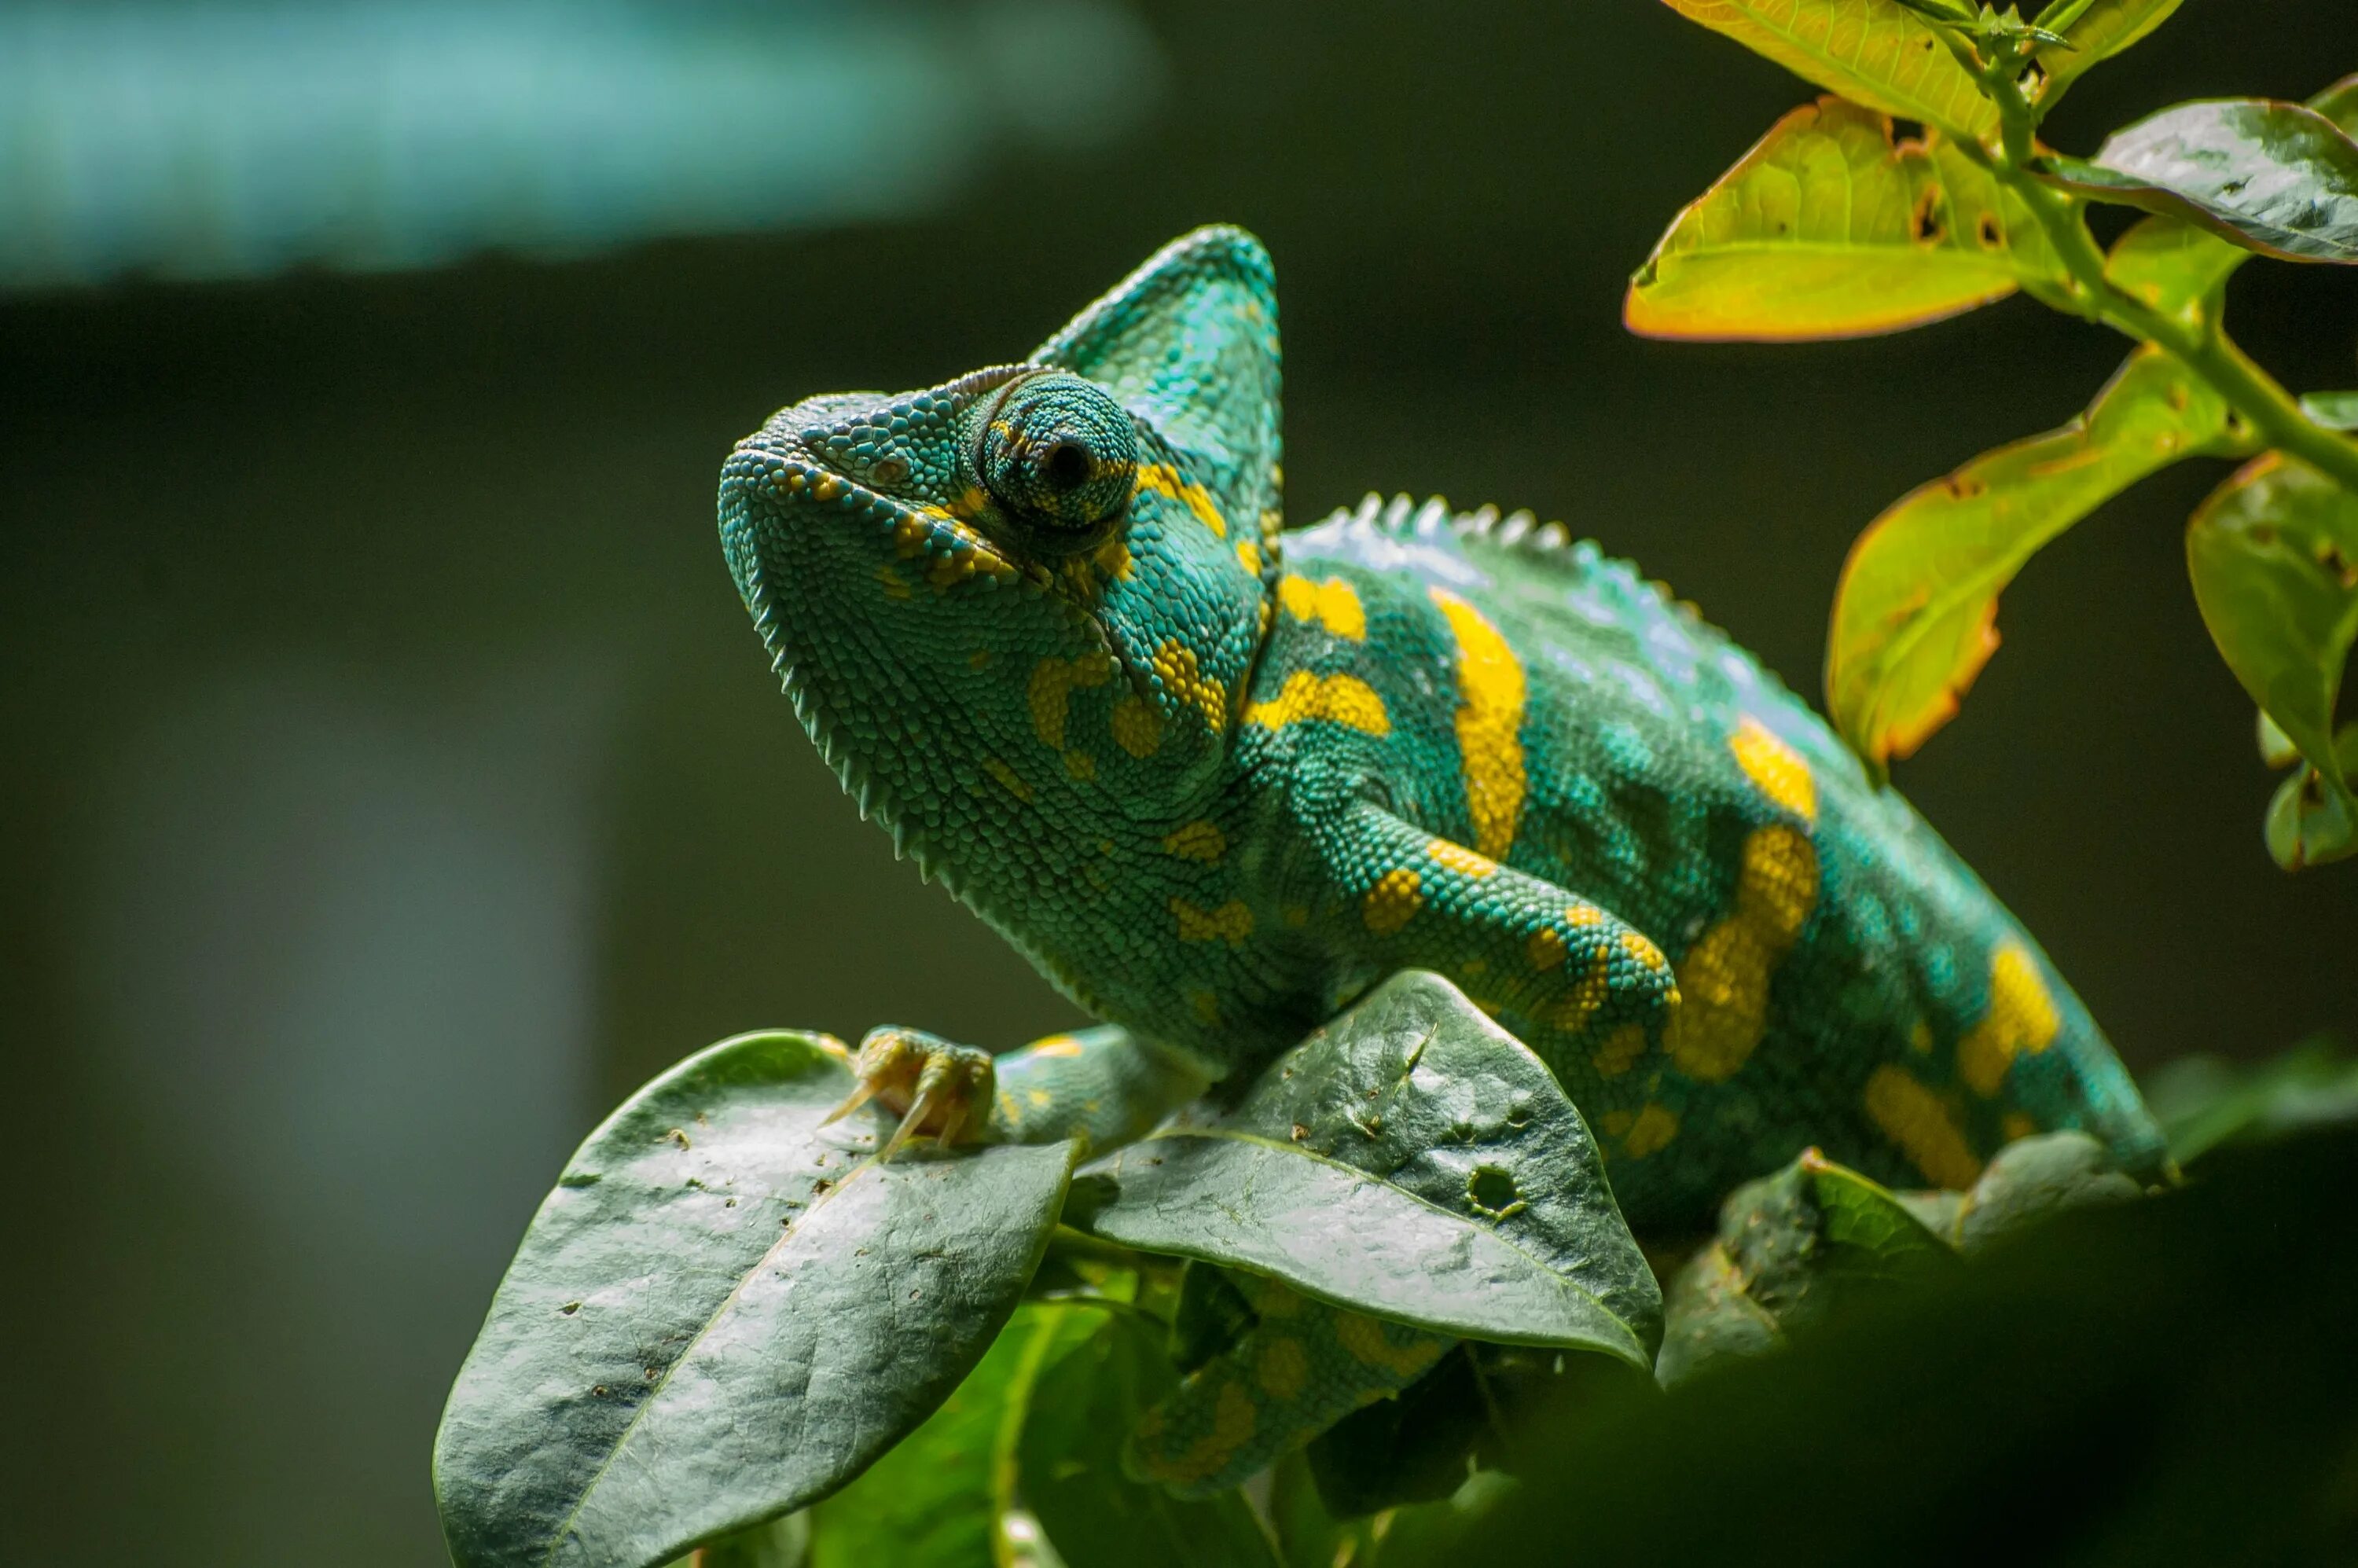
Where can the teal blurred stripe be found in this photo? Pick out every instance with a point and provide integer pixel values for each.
(234, 140)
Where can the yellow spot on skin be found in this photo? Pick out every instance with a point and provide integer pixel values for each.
(1199, 840)
(1621, 1051)
(970, 502)
(1457, 857)
(1919, 1038)
(1653, 1128)
(1333, 604)
(1475, 966)
(1341, 699)
(1572, 1013)
(1644, 951)
(1249, 556)
(1913, 1118)
(1040, 1098)
(1009, 1111)
(1183, 678)
(1365, 1339)
(1579, 914)
(1296, 915)
(1231, 923)
(895, 585)
(1137, 727)
(1616, 1123)
(1006, 776)
(1206, 1006)
(1080, 764)
(1283, 1368)
(1165, 479)
(2016, 1125)
(1724, 978)
(1056, 1046)
(1232, 1427)
(1392, 901)
(2021, 1019)
(1489, 721)
(1775, 769)
(1545, 950)
(1112, 558)
(1050, 691)
(909, 535)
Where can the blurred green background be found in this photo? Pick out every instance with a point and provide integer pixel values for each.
(391, 781)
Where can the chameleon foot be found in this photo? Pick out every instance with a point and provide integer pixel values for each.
(939, 1089)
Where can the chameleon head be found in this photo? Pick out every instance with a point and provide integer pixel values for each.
(1018, 603)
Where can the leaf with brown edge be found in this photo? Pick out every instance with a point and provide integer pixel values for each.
(2097, 33)
(2273, 554)
(1876, 52)
(1830, 228)
(1915, 609)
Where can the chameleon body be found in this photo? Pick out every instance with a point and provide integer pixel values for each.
(1215, 779)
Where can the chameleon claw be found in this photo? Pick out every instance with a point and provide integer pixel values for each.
(936, 1086)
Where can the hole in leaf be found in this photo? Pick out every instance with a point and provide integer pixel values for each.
(1493, 1191)
(1924, 222)
(1993, 236)
(1906, 131)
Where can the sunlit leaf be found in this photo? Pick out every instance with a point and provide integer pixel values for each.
(2176, 266)
(1412, 1160)
(1875, 52)
(1085, 1402)
(1828, 229)
(2274, 558)
(1915, 613)
(2334, 410)
(2098, 33)
(2279, 178)
(724, 1311)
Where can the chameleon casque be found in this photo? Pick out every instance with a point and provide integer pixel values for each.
(1215, 779)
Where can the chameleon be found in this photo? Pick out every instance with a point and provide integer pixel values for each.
(1216, 777)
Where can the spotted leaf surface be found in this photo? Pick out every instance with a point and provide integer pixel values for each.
(1914, 614)
(2279, 178)
(1876, 52)
(1412, 1160)
(1832, 229)
(724, 1312)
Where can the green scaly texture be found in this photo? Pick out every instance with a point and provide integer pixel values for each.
(1216, 780)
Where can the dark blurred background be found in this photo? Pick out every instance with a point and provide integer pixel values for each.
(391, 781)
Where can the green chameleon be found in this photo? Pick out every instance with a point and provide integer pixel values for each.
(1215, 779)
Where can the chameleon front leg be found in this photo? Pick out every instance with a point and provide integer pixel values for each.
(1102, 1085)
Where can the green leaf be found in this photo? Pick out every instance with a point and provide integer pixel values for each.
(1710, 1319)
(2334, 410)
(1865, 1232)
(2309, 820)
(2032, 1180)
(2098, 33)
(2278, 178)
(1315, 1537)
(941, 1497)
(2206, 1102)
(724, 1311)
(1916, 608)
(1411, 1160)
(2274, 558)
(1830, 229)
(781, 1543)
(1085, 1404)
(2177, 266)
(1875, 52)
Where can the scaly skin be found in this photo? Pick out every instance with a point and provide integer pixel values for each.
(1215, 782)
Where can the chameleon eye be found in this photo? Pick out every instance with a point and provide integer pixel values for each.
(1060, 455)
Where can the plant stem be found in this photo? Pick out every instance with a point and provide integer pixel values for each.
(2203, 346)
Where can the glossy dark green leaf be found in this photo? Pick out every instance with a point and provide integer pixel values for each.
(1085, 1404)
(1412, 1160)
(2094, 34)
(1875, 52)
(1709, 1318)
(724, 1312)
(2178, 267)
(2334, 410)
(943, 1495)
(2279, 178)
(1915, 611)
(2206, 1102)
(2273, 554)
(2166, 1382)
(1863, 1228)
(2032, 1180)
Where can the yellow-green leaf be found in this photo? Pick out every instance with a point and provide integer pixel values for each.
(2102, 31)
(1875, 52)
(1914, 614)
(2274, 558)
(1830, 229)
